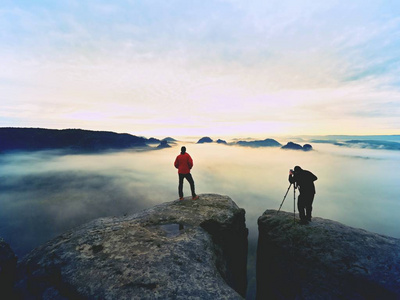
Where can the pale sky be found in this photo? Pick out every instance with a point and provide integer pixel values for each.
(194, 68)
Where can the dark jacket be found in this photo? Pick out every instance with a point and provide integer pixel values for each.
(305, 180)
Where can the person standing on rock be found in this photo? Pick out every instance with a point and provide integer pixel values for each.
(304, 180)
(184, 164)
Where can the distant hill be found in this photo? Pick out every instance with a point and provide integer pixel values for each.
(32, 139)
(370, 144)
(219, 141)
(163, 144)
(260, 143)
(153, 141)
(294, 146)
(374, 144)
(169, 139)
(392, 138)
(205, 139)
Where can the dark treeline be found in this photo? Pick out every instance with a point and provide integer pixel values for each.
(31, 139)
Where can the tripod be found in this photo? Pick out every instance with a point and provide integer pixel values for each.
(294, 201)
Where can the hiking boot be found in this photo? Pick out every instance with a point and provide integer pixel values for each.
(181, 199)
(195, 197)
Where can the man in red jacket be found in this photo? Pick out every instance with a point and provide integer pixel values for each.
(184, 163)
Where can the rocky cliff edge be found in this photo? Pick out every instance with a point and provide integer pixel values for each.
(324, 260)
(176, 250)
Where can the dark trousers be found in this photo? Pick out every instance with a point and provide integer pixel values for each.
(304, 205)
(189, 178)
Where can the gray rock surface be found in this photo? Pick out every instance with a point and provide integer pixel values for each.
(8, 267)
(177, 250)
(324, 260)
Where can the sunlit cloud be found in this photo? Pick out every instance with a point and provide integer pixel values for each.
(302, 65)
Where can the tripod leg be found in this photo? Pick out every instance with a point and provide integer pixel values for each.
(284, 198)
(294, 205)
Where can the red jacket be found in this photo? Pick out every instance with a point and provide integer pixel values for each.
(183, 163)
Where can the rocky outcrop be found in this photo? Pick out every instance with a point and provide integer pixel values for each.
(324, 260)
(204, 140)
(169, 139)
(294, 146)
(153, 141)
(259, 143)
(176, 250)
(8, 267)
(219, 141)
(163, 144)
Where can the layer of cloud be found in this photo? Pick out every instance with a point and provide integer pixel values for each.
(45, 193)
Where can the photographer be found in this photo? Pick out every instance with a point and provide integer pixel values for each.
(304, 180)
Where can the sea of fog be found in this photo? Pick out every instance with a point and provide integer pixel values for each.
(43, 194)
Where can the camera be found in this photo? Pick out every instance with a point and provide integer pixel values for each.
(291, 172)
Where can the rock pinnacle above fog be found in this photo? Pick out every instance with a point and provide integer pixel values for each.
(205, 139)
(219, 141)
(176, 250)
(324, 260)
(164, 144)
(259, 143)
(294, 146)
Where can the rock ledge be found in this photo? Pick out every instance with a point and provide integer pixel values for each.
(324, 260)
(176, 250)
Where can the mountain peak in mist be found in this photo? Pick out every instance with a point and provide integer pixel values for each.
(294, 146)
(153, 141)
(164, 144)
(219, 141)
(260, 143)
(205, 139)
(169, 139)
(379, 143)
